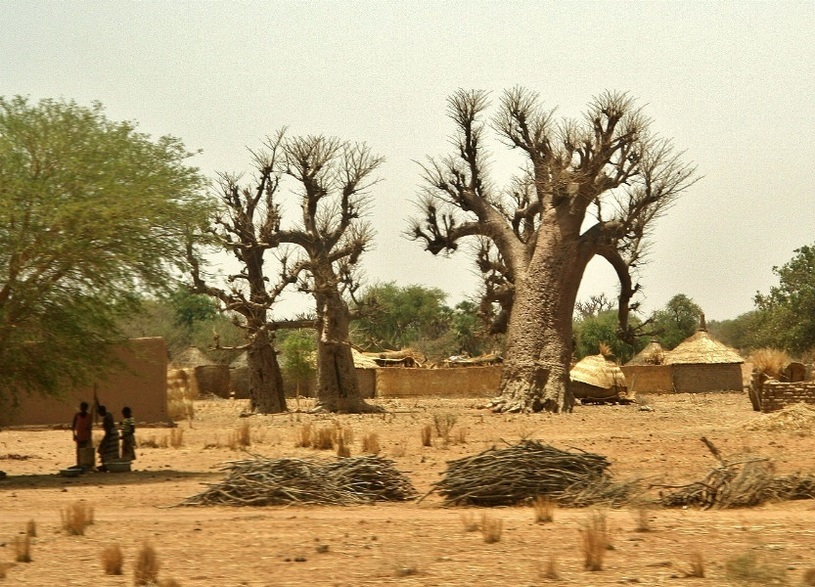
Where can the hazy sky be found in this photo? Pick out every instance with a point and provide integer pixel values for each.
(732, 82)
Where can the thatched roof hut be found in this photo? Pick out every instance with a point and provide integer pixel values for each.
(210, 377)
(189, 358)
(652, 354)
(701, 363)
(595, 378)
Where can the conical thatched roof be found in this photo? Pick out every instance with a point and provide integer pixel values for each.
(190, 357)
(652, 354)
(598, 371)
(701, 348)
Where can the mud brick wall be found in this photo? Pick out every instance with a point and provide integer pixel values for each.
(648, 378)
(445, 382)
(140, 383)
(776, 395)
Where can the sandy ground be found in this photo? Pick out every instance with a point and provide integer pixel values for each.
(410, 543)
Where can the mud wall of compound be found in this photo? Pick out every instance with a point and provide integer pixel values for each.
(140, 382)
(239, 384)
(776, 395)
(450, 382)
(648, 379)
(703, 378)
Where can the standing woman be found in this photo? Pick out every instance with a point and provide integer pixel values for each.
(128, 426)
(109, 446)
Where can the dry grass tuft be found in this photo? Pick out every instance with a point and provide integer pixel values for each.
(771, 362)
(461, 435)
(31, 528)
(343, 450)
(427, 435)
(750, 569)
(444, 423)
(112, 559)
(169, 583)
(470, 523)
(491, 528)
(76, 517)
(148, 442)
(809, 577)
(696, 566)
(145, 570)
(544, 509)
(595, 540)
(642, 517)
(241, 437)
(22, 548)
(549, 570)
(175, 438)
(325, 437)
(370, 444)
(304, 435)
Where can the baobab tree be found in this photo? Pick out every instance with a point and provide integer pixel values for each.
(585, 187)
(334, 178)
(318, 253)
(245, 217)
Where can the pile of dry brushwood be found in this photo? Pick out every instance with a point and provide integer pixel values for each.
(348, 481)
(528, 470)
(739, 483)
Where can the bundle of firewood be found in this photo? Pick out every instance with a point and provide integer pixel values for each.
(528, 470)
(738, 483)
(347, 481)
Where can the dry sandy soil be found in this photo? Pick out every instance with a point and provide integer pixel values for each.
(413, 543)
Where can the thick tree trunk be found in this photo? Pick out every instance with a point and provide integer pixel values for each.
(337, 385)
(265, 379)
(539, 335)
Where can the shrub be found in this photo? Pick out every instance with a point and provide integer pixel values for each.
(76, 517)
(112, 559)
(146, 568)
(595, 541)
(491, 528)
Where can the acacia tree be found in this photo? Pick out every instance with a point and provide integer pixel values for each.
(90, 219)
(319, 254)
(585, 188)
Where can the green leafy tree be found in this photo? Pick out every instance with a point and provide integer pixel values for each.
(299, 347)
(395, 317)
(787, 313)
(91, 216)
(678, 320)
(603, 327)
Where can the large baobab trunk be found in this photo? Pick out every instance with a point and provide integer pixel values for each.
(337, 385)
(265, 380)
(539, 334)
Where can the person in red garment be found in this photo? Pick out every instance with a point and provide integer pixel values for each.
(81, 429)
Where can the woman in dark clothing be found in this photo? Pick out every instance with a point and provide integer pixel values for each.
(128, 425)
(109, 446)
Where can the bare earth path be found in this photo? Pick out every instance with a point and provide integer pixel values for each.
(410, 543)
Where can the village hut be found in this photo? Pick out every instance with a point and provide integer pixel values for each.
(647, 372)
(701, 363)
(596, 378)
(208, 377)
(239, 377)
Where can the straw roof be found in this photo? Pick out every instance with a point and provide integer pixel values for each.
(701, 348)
(652, 354)
(360, 360)
(598, 371)
(191, 357)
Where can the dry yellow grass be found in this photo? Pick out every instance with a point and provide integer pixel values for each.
(491, 528)
(175, 438)
(543, 509)
(146, 566)
(370, 444)
(642, 518)
(769, 361)
(427, 435)
(549, 570)
(470, 522)
(22, 548)
(112, 559)
(76, 518)
(305, 435)
(343, 450)
(325, 437)
(594, 541)
(696, 565)
(31, 528)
